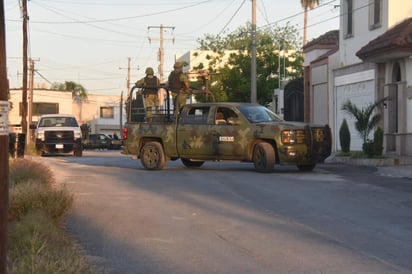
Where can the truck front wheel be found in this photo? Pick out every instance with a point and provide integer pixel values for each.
(153, 156)
(264, 157)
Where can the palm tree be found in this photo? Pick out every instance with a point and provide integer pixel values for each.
(306, 4)
(365, 118)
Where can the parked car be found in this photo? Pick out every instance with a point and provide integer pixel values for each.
(115, 142)
(101, 141)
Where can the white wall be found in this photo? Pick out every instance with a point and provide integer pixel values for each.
(312, 55)
(89, 112)
(393, 12)
(361, 32)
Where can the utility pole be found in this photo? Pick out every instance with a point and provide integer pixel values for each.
(128, 75)
(121, 113)
(4, 139)
(253, 53)
(31, 88)
(24, 93)
(161, 49)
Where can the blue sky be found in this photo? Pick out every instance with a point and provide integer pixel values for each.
(89, 41)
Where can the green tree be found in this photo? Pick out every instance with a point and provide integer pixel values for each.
(231, 81)
(307, 4)
(366, 119)
(77, 90)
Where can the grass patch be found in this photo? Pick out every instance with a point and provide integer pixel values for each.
(37, 243)
(36, 196)
(343, 154)
(23, 170)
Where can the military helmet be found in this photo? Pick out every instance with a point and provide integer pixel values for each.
(178, 65)
(149, 71)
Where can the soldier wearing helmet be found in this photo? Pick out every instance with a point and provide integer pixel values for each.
(149, 86)
(179, 85)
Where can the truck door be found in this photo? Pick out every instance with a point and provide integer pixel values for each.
(227, 133)
(193, 138)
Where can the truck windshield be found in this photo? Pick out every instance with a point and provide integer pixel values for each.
(258, 114)
(58, 122)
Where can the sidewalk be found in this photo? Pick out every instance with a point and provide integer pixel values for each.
(392, 166)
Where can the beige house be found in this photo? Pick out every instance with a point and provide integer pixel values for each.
(102, 113)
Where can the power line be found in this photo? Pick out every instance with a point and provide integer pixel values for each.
(295, 15)
(121, 18)
(231, 18)
(212, 20)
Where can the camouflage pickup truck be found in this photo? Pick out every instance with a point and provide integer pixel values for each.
(225, 132)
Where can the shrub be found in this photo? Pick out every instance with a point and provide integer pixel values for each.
(34, 196)
(344, 137)
(378, 142)
(37, 245)
(368, 149)
(366, 119)
(23, 170)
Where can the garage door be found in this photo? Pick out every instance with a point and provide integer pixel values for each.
(320, 104)
(359, 88)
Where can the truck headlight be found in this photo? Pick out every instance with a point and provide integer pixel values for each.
(288, 137)
(293, 136)
(77, 135)
(40, 135)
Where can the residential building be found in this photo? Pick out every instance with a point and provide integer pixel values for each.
(361, 78)
(392, 54)
(321, 57)
(102, 113)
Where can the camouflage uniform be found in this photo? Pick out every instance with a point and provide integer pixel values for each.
(179, 84)
(150, 93)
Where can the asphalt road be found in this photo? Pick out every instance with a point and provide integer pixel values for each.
(227, 218)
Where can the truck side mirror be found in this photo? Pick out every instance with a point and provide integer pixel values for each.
(33, 126)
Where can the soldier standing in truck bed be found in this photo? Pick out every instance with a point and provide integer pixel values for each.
(149, 87)
(179, 84)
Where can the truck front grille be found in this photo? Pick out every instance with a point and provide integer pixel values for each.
(320, 140)
(62, 135)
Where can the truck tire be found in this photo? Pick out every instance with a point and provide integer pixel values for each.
(78, 153)
(190, 163)
(152, 156)
(264, 157)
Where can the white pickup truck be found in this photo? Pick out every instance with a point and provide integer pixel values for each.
(58, 133)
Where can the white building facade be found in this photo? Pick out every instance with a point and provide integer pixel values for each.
(102, 113)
